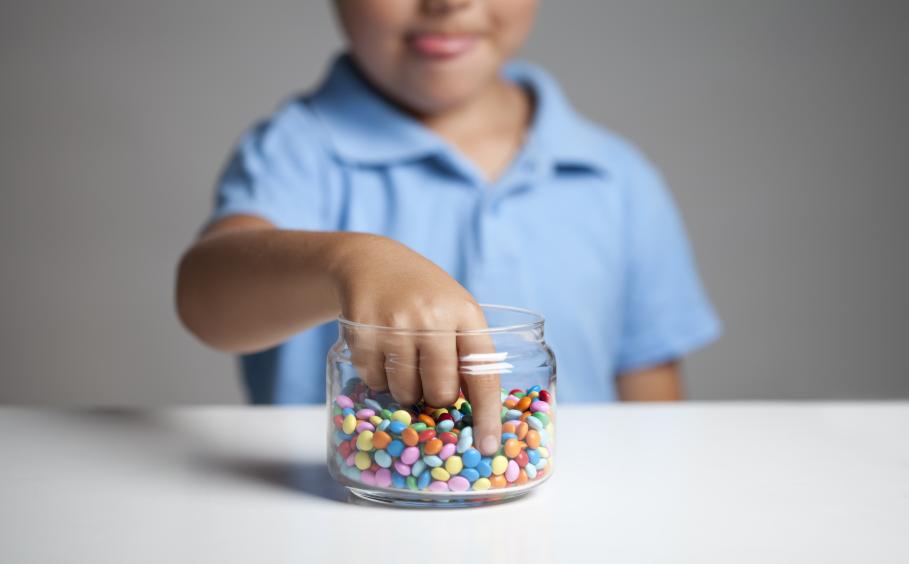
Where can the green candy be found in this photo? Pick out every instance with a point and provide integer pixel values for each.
(411, 483)
(336, 411)
(519, 395)
(466, 409)
(419, 426)
(385, 413)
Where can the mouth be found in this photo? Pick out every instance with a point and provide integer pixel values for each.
(441, 46)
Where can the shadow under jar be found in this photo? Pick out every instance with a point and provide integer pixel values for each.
(426, 455)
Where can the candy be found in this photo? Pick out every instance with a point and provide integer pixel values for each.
(511, 471)
(395, 447)
(453, 464)
(402, 416)
(481, 484)
(364, 441)
(380, 439)
(499, 464)
(410, 437)
(350, 424)
(382, 458)
(458, 484)
(410, 455)
(470, 457)
(380, 443)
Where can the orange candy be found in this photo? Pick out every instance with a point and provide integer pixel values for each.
(522, 477)
(509, 427)
(509, 403)
(409, 436)
(521, 431)
(430, 422)
(512, 448)
(532, 438)
(434, 446)
(380, 439)
(497, 481)
(523, 403)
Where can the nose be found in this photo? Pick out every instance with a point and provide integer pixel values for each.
(442, 7)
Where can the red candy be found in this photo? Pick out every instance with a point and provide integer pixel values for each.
(521, 459)
(427, 435)
(445, 417)
(448, 438)
(339, 421)
(344, 449)
(545, 396)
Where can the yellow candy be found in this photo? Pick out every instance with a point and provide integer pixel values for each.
(402, 416)
(364, 441)
(350, 424)
(440, 474)
(362, 460)
(550, 429)
(454, 464)
(375, 420)
(499, 464)
(439, 411)
(482, 484)
(544, 452)
(458, 403)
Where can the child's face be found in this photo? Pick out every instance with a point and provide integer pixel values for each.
(433, 55)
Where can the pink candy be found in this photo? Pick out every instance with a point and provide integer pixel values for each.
(447, 451)
(383, 477)
(344, 402)
(539, 406)
(438, 486)
(368, 477)
(512, 471)
(458, 484)
(365, 426)
(410, 455)
(365, 413)
(401, 468)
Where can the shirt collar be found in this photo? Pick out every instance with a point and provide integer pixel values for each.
(364, 128)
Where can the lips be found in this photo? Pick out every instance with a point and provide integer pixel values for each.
(441, 46)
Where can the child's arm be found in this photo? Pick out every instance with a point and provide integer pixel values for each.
(246, 286)
(659, 383)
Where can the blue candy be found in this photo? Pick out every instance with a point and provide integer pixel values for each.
(347, 411)
(457, 415)
(532, 389)
(446, 425)
(471, 458)
(470, 473)
(396, 427)
(484, 468)
(397, 480)
(506, 436)
(343, 436)
(513, 414)
(533, 455)
(423, 481)
(386, 422)
(432, 461)
(395, 448)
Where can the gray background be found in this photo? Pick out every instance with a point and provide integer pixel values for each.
(782, 127)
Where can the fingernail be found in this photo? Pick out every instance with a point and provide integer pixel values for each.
(488, 444)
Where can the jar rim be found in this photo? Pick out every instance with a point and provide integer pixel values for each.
(536, 321)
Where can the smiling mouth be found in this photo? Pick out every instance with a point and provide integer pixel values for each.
(441, 46)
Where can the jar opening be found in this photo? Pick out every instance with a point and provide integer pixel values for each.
(499, 319)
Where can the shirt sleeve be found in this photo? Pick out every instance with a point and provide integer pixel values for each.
(274, 173)
(666, 312)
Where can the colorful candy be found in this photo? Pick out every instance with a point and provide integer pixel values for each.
(379, 443)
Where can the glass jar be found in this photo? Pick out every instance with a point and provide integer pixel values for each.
(426, 455)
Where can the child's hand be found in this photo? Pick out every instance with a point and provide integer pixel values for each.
(382, 282)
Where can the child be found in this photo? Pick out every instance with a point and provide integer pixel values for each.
(427, 175)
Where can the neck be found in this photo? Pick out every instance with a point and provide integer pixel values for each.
(489, 128)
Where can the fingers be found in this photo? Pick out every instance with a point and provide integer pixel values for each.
(368, 358)
(480, 372)
(439, 369)
(401, 368)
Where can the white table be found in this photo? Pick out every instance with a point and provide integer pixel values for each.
(694, 482)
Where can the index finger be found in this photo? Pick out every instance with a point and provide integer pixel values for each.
(479, 370)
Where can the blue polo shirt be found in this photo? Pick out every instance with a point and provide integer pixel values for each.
(580, 227)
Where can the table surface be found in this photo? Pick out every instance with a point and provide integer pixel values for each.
(719, 482)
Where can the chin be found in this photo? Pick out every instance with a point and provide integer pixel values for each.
(429, 95)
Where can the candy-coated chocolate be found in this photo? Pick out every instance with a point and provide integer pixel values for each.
(350, 424)
(395, 448)
(512, 471)
(380, 439)
(440, 474)
(433, 446)
(344, 402)
(410, 437)
(511, 448)
(410, 455)
(499, 465)
(453, 464)
(458, 484)
(364, 441)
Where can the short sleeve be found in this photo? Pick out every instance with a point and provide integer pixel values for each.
(666, 313)
(275, 173)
